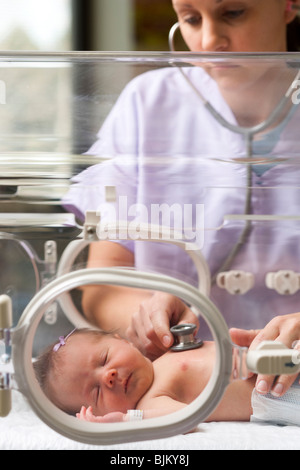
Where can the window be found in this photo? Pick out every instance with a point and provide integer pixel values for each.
(35, 25)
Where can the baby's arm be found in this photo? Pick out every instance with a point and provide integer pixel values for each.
(158, 406)
(236, 402)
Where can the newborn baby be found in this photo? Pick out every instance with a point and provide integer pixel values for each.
(104, 376)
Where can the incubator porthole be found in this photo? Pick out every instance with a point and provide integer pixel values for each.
(181, 421)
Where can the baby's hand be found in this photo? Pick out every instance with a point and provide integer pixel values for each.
(86, 414)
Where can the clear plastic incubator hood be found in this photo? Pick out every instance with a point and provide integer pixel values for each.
(127, 175)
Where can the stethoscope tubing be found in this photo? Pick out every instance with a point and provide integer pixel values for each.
(247, 132)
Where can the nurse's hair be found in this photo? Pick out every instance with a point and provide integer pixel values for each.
(293, 35)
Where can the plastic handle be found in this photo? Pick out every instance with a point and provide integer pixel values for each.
(273, 358)
(5, 312)
(5, 402)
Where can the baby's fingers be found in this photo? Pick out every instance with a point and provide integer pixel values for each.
(86, 414)
(82, 414)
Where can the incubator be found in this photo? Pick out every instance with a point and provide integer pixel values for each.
(189, 163)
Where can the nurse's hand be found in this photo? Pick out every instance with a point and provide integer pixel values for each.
(150, 326)
(285, 329)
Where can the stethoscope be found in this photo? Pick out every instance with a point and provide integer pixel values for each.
(184, 337)
(248, 133)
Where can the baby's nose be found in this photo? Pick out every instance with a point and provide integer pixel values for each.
(110, 377)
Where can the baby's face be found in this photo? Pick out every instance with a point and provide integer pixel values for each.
(106, 373)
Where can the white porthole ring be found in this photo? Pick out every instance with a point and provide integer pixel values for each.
(114, 433)
(75, 247)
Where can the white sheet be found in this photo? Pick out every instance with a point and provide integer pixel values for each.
(22, 429)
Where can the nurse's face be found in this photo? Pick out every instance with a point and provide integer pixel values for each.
(234, 25)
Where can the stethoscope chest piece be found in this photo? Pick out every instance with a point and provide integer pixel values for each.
(184, 337)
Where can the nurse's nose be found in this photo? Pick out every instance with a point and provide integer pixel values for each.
(213, 38)
(110, 377)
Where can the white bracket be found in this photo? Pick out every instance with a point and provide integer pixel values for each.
(50, 252)
(92, 219)
(110, 193)
(284, 282)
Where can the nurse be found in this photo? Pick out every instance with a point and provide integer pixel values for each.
(206, 26)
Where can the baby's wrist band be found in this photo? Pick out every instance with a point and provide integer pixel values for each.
(135, 415)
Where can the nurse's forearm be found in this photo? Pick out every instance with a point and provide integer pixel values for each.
(112, 307)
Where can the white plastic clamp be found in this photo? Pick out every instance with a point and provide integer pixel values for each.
(285, 282)
(235, 282)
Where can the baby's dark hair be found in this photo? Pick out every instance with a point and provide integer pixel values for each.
(50, 359)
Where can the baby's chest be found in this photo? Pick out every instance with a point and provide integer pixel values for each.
(176, 380)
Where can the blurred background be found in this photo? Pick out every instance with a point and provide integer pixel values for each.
(50, 113)
(85, 25)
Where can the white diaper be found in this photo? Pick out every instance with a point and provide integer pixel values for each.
(284, 410)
